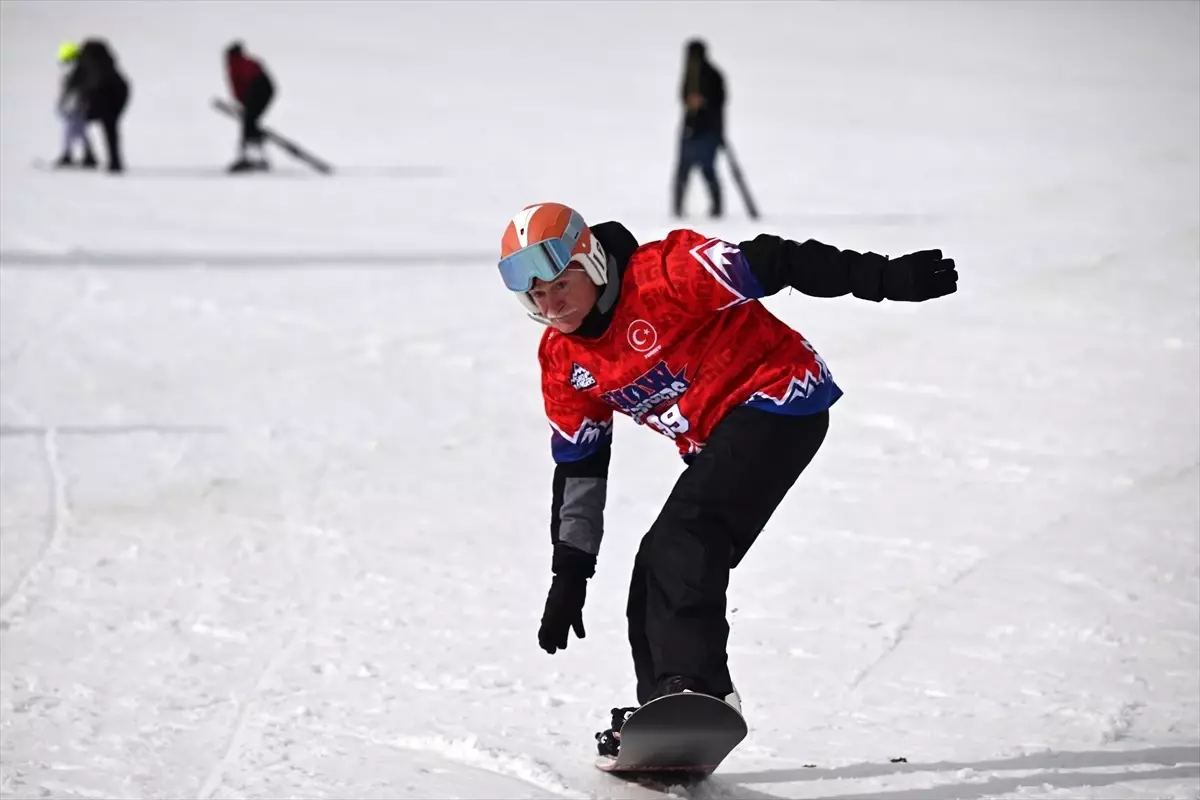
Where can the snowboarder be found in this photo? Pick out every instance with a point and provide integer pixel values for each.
(100, 93)
(672, 334)
(253, 88)
(703, 129)
(72, 111)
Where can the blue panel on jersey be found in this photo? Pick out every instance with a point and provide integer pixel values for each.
(726, 263)
(742, 278)
(591, 438)
(801, 398)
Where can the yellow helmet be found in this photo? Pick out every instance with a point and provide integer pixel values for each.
(67, 51)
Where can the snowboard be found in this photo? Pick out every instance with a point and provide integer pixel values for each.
(293, 149)
(677, 738)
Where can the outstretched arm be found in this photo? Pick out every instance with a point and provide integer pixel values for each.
(708, 274)
(821, 270)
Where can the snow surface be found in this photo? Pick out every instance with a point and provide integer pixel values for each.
(274, 470)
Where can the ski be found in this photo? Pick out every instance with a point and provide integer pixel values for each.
(293, 149)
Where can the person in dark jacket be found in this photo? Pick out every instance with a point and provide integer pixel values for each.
(103, 93)
(253, 88)
(703, 96)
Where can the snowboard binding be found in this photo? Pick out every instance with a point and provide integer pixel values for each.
(608, 742)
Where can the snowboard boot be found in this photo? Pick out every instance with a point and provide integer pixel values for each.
(256, 154)
(89, 160)
(608, 743)
(674, 684)
(249, 165)
(243, 164)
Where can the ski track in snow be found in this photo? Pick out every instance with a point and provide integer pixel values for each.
(56, 529)
(1159, 478)
(1051, 772)
(900, 633)
(213, 260)
(246, 707)
(109, 430)
(468, 751)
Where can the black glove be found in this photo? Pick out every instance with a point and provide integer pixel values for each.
(919, 276)
(564, 603)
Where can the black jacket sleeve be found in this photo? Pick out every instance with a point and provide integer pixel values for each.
(816, 269)
(580, 491)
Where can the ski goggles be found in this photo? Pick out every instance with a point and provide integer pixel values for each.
(545, 261)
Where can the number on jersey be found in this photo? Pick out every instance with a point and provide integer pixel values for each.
(671, 422)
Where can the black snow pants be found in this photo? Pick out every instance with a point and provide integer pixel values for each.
(106, 104)
(716, 510)
(258, 96)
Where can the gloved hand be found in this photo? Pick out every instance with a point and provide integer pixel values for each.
(564, 603)
(919, 276)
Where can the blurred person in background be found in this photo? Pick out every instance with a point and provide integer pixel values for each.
(703, 95)
(72, 111)
(253, 89)
(102, 93)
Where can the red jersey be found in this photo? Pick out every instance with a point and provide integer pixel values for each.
(688, 342)
(242, 71)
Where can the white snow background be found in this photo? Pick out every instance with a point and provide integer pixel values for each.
(275, 476)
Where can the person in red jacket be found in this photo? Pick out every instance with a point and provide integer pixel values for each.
(253, 88)
(672, 334)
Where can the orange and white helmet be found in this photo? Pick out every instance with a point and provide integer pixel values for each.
(541, 241)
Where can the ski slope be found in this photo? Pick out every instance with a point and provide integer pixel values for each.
(274, 476)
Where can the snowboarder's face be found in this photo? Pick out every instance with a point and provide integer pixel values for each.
(566, 300)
